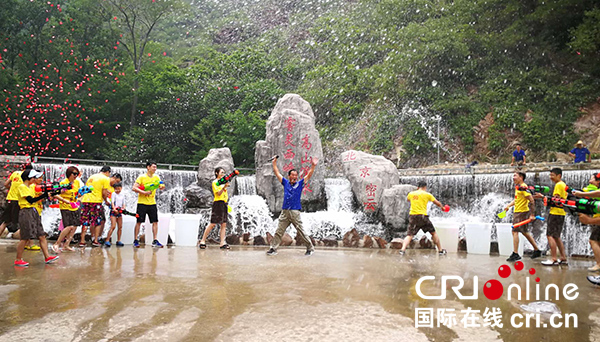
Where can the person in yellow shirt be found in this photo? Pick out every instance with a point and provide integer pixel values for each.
(418, 218)
(71, 215)
(147, 202)
(29, 219)
(594, 221)
(92, 212)
(219, 209)
(11, 211)
(524, 209)
(556, 221)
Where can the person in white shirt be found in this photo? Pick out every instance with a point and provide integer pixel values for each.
(116, 217)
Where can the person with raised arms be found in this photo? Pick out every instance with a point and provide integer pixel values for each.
(145, 186)
(290, 211)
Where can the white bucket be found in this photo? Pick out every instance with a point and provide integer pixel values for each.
(447, 231)
(164, 220)
(187, 227)
(128, 230)
(478, 236)
(505, 239)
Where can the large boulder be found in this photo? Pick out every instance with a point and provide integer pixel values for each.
(198, 197)
(369, 175)
(217, 157)
(394, 207)
(292, 135)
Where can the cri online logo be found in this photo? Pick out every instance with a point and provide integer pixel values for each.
(493, 289)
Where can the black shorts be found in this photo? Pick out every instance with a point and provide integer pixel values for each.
(422, 222)
(151, 210)
(555, 225)
(11, 212)
(219, 212)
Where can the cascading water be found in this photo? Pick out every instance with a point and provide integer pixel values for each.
(250, 213)
(479, 198)
(170, 200)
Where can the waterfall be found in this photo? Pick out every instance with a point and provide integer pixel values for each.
(246, 185)
(480, 197)
(171, 200)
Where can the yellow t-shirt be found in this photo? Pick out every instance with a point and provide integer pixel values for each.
(521, 201)
(15, 181)
(418, 201)
(70, 195)
(99, 182)
(22, 192)
(216, 188)
(145, 180)
(39, 206)
(560, 190)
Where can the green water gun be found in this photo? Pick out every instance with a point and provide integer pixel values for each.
(151, 186)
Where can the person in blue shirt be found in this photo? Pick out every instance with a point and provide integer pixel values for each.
(518, 156)
(290, 211)
(580, 153)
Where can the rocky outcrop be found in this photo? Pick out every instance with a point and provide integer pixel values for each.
(199, 194)
(369, 175)
(292, 135)
(394, 207)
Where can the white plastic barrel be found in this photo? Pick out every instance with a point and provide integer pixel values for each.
(187, 227)
(448, 234)
(128, 230)
(478, 236)
(505, 239)
(164, 220)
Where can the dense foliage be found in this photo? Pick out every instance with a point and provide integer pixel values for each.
(80, 78)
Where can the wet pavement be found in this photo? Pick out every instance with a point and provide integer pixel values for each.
(186, 294)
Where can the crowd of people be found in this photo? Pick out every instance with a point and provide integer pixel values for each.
(80, 205)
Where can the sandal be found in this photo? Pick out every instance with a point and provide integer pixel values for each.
(225, 246)
(202, 246)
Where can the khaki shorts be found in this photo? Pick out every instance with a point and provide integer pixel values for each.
(555, 225)
(30, 224)
(520, 217)
(419, 222)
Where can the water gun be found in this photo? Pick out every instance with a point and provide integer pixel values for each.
(125, 212)
(524, 222)
(581, 205)
(535, 188)
(151, 186)
(588, 188)
(227, 178)
(53, 188)
(85, 190)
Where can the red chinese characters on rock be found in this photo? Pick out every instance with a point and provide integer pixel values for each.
(305, 143)
(290, 123)
(306, 188)
(370, 190)
(350, 156)
(364, 172)
(289, 154)
(288, 167)
(288, 140)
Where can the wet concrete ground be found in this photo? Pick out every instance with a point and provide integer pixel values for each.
(186, 294)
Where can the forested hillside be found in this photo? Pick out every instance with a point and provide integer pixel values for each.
(170, 79)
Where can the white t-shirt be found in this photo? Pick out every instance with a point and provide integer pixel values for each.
(118, 200)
